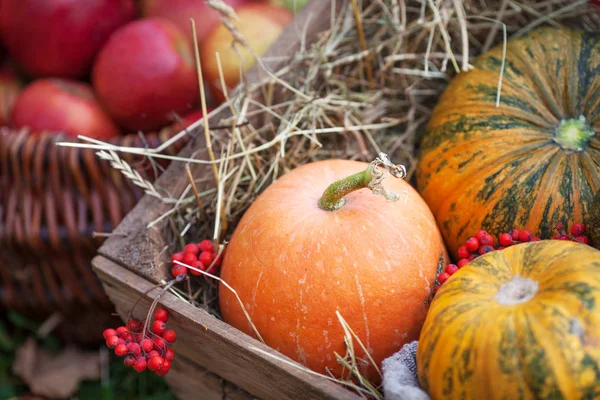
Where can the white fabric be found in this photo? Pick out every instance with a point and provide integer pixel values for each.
(400, 380)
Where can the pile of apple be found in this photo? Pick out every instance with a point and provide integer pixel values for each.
(102, 68)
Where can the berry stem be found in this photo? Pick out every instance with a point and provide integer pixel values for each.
(333, 197)
(154, 303)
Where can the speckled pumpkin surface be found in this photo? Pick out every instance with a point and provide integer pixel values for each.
(529, 163)
(522, 323)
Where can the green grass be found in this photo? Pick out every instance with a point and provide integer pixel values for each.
(123, 383)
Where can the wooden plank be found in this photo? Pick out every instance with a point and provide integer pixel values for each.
(188, 380)
(138, 248)
(213, 345)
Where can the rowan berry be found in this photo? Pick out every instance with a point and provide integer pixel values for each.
(205, 258)
(191, 248)
(485, 249)
(463, 252)
(189, 258)
(153, 353)
(472, 244)
(178, 270)
(583, 239)
(108, 333)
(158, 327)
(132, 347)
(112, 342)
(197, 265)
(129, 338)
(505, 239)
(217, 260)
(500, 248)
(577, 230)
(170, 335)
(560, 236)
(140, 364)
(155, 363)
(450, 269)
(443, 277)
(120, 350)
(161, 315)
(462, 263)
(122, 332)
(472, 257)
(206, 245)
(486, 240)
(535, 239)
(164, 370)
(129, 361)
(147, 345)
(169, 354)
(480, 235)
(159, 344)
(525, 236)
(515, 234)
(177, 257)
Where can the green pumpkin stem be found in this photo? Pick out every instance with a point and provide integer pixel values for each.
(573, 134)
(334, 196)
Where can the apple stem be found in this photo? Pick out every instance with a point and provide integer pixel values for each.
(334, 196)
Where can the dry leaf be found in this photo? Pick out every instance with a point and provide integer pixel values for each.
(55, 376)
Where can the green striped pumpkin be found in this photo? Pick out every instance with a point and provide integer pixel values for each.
(531, 162)
(521, 323)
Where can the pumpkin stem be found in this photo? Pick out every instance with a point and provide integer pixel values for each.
(516, 291)
(333, 197)
(573, 134)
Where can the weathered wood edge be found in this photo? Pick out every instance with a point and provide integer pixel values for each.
(138, 248)
(218, 347)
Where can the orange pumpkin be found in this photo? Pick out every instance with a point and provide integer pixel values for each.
(295, 264)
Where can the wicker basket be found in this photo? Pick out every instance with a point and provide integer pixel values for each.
(51, 200)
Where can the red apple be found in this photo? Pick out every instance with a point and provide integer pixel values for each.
(260, 24)
(145, 73)
(60, 38)
(181, 11)
(61, 105)
(10, 87)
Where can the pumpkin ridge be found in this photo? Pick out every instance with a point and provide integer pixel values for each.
(553, 343)
(544, 194)
(534, 357)
(548, 99)
(529, 168)
(589, 185)
(475, 174)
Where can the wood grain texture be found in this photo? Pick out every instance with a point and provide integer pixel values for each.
(213, 345)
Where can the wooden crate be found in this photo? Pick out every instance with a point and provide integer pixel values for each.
(214, 360)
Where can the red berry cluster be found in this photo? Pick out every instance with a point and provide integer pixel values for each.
(201, 256)
(483, 243)
(144, 350)
(577, 233)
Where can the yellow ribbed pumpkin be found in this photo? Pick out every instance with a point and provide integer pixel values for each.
(521, 323)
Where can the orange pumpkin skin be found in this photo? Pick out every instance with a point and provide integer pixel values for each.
(499, 168)
(521, 323)
(294, 265)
